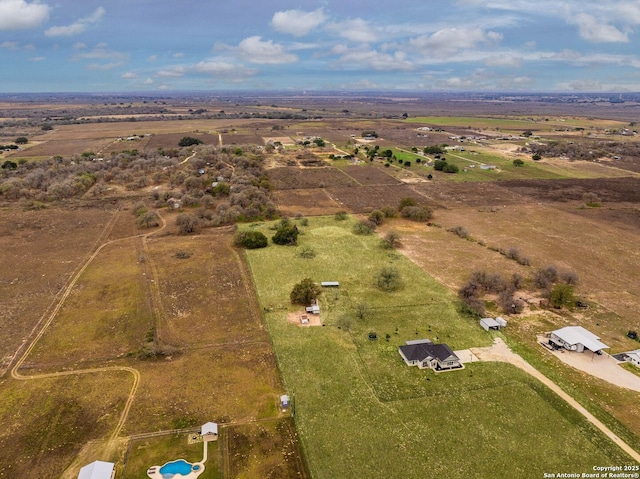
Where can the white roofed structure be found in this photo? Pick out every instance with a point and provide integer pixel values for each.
(97, 470)
(576, 338)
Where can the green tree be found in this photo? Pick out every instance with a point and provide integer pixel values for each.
(250, 239)
(21, 140)
(189, 141)
(319, 142)
(286, 234)
(377, 217)
(561, 295)
(305, 292)
(449, 168)
(536, 157)
(408, 201)
(518, 162)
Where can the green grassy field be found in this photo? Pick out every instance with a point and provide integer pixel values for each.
(356, 400)
(144, 453)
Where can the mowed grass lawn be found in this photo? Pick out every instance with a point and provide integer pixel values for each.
(362, 413)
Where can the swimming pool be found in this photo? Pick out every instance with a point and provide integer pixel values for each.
(181, 467)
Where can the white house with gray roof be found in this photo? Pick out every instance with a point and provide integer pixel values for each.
(576, 338)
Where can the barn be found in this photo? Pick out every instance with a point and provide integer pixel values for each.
(209, 431)
(489, 324)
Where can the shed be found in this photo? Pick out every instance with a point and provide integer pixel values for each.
(501, 321)
(633, 357)
(313, 309)
(329, 284)
(489, 323)
(285, 402)
(304, 319)
(209, 431)
(97, 470)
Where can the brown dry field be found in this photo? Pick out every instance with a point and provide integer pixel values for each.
(65, 148)
(367, 176)
(207, 299)
(311, 202)
(297, 178)
(364, 199)
(46, 423)
(39, 258)
(268, 449)
(244, 136)
(171, 140)
(600, 253)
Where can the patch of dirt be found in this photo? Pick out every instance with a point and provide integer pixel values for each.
(296, 318)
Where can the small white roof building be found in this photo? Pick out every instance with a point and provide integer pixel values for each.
(285, 401)
(97, 470)
(576, 338)
(489, 323)
(209, 431)
(633, 357)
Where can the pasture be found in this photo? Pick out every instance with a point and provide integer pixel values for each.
(357, 400)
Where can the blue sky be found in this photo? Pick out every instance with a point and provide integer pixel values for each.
(421, 45)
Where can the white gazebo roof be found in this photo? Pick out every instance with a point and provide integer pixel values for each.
(97, 470)
(578, 335)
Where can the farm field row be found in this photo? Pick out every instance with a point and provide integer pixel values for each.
(357, 400)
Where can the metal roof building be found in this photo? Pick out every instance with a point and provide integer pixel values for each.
(97, 470)
(576, 338)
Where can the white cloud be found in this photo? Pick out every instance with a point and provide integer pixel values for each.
(504, 60)
(19, 15)
(585, 85)
(79, 46)
(448, 41)
(76, 27)
(357, 30)
(148, 81)
(178, 55)
(37, 59)
(129, 76)
(366, 58)
(220, 67)
(152, 58)
(174, 72)
(297, 22)
(255, 50)
(597, 31)
(9, 45)
(112, 58)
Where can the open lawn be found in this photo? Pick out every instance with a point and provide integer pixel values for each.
(355, 399)
(156, 451)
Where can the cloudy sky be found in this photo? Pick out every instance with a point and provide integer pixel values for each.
(424, 45)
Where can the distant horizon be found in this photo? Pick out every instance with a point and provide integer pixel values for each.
(543, 46)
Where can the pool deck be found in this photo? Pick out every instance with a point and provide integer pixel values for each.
(154, 471)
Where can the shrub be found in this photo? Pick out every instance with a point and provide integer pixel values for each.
(340, 216)
(408, 201)
(286, 234)
(449, 168)
(377, 217)
(364, 227)
(459, 231)
(187, 223)
(389, 279)
(569, 277)
(391, 240)
(389, 211)
(305, 292)
(591, 199)
(306, 252)
(250, 239)
(518, 162)
(439, 164)
(473, 307)
(416, 213)
(545, 277)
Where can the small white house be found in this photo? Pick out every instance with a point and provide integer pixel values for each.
(285, 402)
(209, 431)
(97, 470)
(501, 321)
(633, 357)
(313, 309)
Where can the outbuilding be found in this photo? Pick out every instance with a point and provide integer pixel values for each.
(576, 338)
(209, 432)
(97, 470)
(632, 356)
(489, 324)
(285, 402)
(329, 284)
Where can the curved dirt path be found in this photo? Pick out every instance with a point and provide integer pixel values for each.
(15, 374)
(501, 352)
